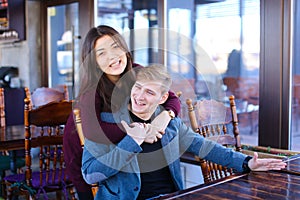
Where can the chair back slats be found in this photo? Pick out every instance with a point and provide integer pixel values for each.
(46, 140)
(216, 121)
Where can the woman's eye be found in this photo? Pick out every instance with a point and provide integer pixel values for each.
(116, 46)
(100, 53)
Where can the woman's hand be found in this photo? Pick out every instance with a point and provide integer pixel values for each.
(157, 128)
(137, 131)
(153, 134)
(161, 122)
(256, 164)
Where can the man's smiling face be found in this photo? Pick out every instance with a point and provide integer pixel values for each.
(145, 97)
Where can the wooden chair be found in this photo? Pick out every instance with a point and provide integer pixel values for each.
(47, 172)
(77, 118)
(210, 119)
(44, 95)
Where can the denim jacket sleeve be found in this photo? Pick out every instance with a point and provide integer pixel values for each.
(101, 161)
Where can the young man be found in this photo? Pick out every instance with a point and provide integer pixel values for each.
(134, 169)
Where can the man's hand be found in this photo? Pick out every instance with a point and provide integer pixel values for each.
(135, 130)
(256, 164)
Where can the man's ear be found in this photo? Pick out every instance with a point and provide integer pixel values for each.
(164, 98)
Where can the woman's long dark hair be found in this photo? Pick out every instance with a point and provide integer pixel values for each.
(91, 76)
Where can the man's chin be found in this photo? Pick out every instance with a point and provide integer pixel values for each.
(137, 111)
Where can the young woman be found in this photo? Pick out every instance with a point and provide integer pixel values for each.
(106, 79)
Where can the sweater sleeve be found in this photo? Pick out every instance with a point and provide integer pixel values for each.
(93, 127)
(173, 103)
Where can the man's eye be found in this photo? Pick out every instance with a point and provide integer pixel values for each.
(137, 87)
(150, 92)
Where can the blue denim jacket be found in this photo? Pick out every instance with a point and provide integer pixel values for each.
(116, 169)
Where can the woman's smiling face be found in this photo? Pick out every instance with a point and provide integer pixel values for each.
(110, 57)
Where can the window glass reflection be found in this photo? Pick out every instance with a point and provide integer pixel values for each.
(132, 19)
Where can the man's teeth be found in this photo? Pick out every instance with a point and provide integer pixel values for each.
(139, 103)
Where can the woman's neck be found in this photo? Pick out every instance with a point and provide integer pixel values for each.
(113, 78)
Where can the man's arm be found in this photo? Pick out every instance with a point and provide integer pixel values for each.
(227, 157)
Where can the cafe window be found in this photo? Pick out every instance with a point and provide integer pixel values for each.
(114, 13)
(295, 104)
(229, 32)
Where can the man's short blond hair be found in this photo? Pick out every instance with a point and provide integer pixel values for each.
(157, 73)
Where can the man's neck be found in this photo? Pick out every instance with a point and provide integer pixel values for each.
(135, 118)
(143, 116)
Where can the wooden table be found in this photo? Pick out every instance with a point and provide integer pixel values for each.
(293, 165)
(255, 185)
(12, 138)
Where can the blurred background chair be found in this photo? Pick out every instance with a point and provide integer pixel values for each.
(44, 95)
(14, 105)
(47, 174)
(246, 92)
(233, 86)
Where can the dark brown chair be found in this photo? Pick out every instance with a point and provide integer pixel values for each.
(46, 173)
(216, 121)
(77, 118)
